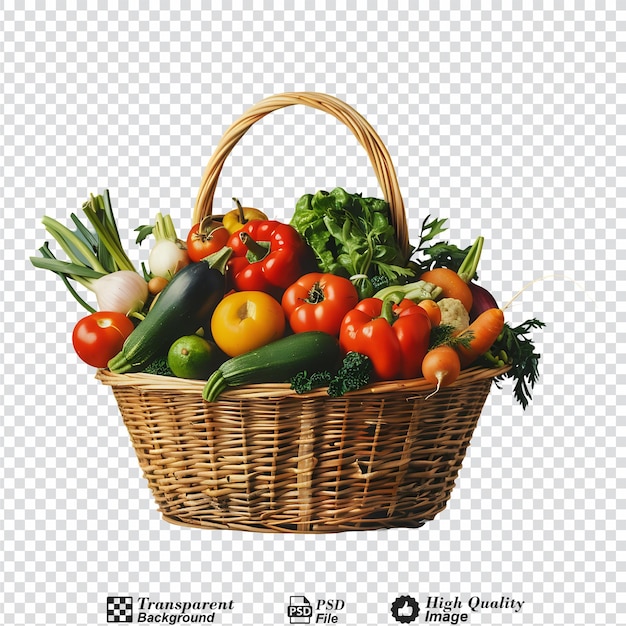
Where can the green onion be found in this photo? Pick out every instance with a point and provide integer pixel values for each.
(106, 229)
(92, 255)
(75, 249)
(48, 263)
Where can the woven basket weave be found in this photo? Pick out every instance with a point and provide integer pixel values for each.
(263, 458)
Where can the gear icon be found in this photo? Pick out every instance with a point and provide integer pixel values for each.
(405, 609)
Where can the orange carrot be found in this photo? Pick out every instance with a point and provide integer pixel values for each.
(441, 367)
(452, 285)
(484, 331)
(434, 312)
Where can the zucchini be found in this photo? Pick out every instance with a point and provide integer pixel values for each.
(186, 304)
(275, 362)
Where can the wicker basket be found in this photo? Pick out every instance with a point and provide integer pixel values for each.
(263, 458)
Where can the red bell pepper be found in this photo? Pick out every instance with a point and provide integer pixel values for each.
(394, 336)
(268, 255)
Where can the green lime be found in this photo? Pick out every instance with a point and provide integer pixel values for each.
(193, 356)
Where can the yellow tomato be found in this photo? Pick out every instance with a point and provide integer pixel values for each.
(245, 320)
(237, 218)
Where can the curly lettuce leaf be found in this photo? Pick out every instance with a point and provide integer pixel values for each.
(349, 234)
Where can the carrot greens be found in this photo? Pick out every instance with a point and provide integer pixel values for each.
(513, 347)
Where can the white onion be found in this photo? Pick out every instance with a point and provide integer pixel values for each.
(167, 257)
(123, 291)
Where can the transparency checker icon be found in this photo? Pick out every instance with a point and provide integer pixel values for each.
(299, 610)
(119, 610)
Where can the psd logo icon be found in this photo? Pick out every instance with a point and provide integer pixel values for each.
(405, 609)
(120, 610)
(299, 610)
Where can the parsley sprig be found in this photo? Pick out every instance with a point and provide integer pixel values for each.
(513, 347)
(428, 255)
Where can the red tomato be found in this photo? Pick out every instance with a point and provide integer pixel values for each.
(201, 244)
(319, 301)
(98, 337)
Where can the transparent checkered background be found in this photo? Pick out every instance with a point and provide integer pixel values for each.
(509, 122)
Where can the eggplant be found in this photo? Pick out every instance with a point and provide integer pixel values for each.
(184, 306)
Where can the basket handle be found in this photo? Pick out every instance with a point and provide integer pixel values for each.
(376, 151)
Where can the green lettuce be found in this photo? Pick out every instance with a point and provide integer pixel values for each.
(351, 236)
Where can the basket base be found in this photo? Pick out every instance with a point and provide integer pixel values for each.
(312, 529)
(267, 460)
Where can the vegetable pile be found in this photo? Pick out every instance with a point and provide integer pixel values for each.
(329, 300)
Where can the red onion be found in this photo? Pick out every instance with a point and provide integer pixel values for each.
(483, 300)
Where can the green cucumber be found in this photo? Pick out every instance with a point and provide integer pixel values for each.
(275, 362)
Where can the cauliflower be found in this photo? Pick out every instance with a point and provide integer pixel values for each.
(453, 313)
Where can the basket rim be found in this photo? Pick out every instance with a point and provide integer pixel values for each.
(158, 383)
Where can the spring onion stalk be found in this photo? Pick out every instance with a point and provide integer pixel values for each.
(74, 247)
(84, 232)
(164, 228)
(169, 253)
(92, 255)
(104, 202)
(104, 224)
(123, 291)
(48, 255)
(80, 273)
(467, 270)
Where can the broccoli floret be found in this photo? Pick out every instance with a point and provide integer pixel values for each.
(355, 372)
(160, 367)
(380, 282)
(320, 379)
(303, 382)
